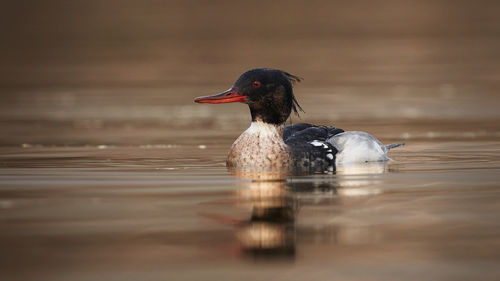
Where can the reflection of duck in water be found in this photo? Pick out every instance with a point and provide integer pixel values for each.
(275, 198)
(268, 145)
(270, 231)
(273, 230)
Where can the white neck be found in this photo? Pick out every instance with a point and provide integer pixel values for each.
(265, 129)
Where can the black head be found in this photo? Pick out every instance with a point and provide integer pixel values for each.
(268, 93)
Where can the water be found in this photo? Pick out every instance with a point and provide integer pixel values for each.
(109, 171)
(174, 212)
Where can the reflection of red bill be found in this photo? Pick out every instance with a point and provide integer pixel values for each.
(223, 219)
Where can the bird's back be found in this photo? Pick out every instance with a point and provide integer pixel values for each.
(308, 147)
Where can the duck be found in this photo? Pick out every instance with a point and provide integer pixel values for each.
(270, 145)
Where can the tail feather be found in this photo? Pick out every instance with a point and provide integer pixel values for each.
(394, 145)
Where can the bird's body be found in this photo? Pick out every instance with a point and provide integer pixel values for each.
(269, 145)
(274, 147)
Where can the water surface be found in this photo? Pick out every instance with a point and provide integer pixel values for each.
(174, 212)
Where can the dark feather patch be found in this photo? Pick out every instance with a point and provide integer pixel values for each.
(304, 132)
(308, 145)
(294, 79)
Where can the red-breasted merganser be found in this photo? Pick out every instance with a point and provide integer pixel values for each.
(269, 145)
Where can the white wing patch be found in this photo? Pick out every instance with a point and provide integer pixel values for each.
(318, 143)
(325, 146)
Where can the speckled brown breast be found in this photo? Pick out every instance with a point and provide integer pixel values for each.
(261, 147)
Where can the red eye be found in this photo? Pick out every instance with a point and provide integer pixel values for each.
(256, 84)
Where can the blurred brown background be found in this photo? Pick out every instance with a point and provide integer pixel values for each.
(83, 65)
